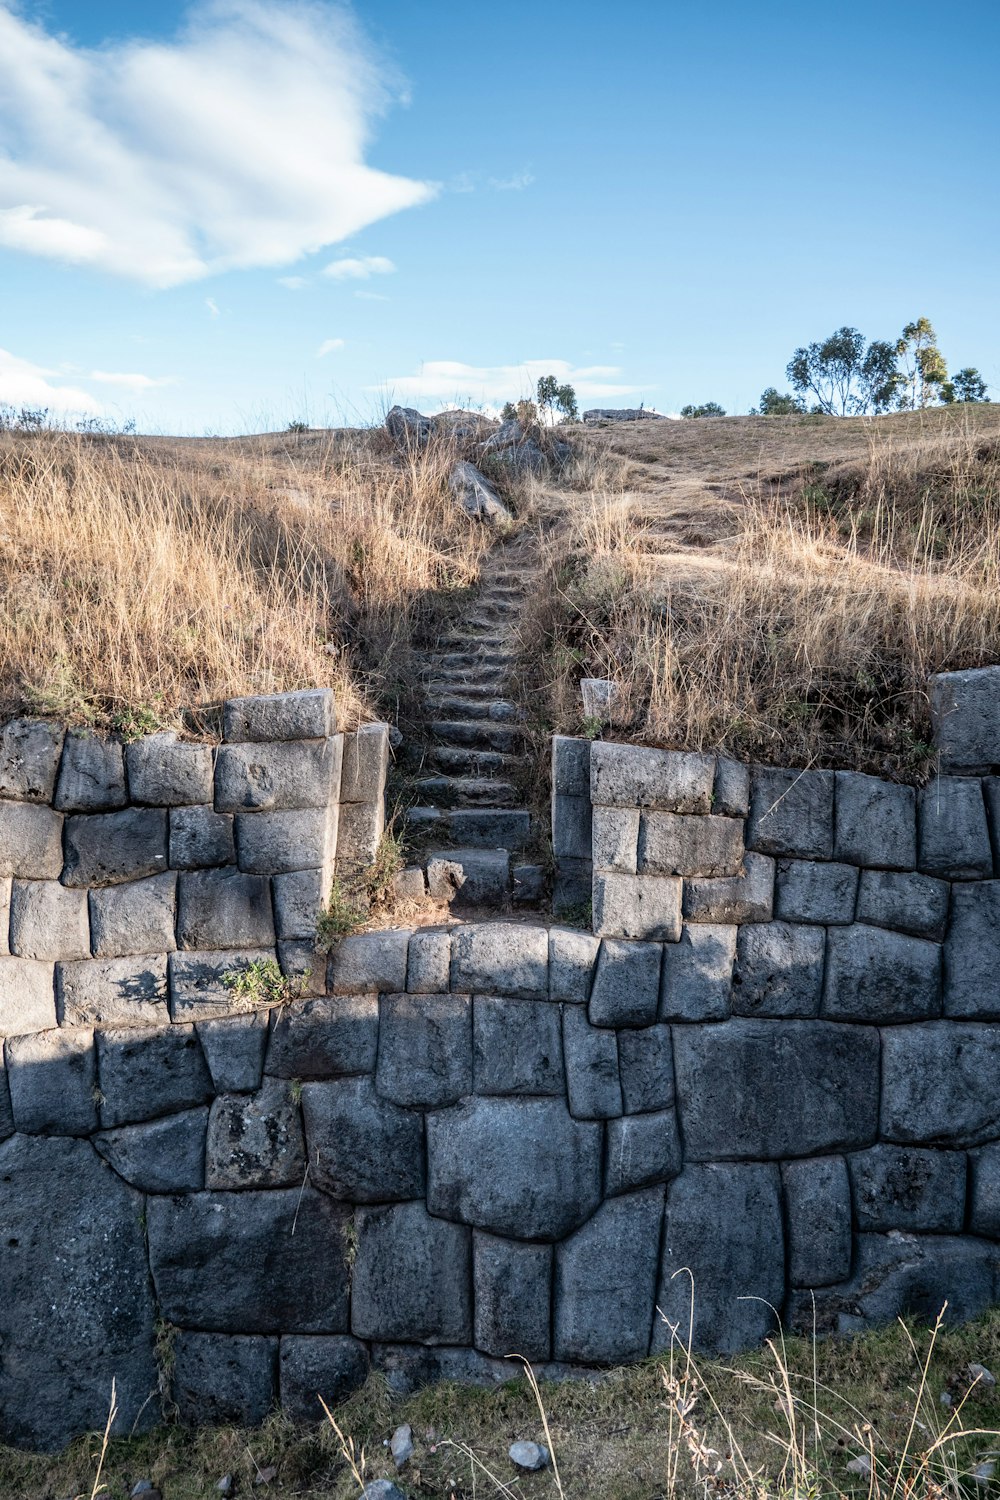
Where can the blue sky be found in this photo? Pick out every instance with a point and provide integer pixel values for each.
(658, 201)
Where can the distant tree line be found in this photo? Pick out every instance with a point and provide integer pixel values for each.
(553, 403)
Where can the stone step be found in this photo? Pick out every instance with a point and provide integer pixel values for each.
(472, 827)
(469, 762)
(475, 734)
(466, 791)
(448, 687)
(460, 640)
(464, 706)
(469, 877)
(448, 661)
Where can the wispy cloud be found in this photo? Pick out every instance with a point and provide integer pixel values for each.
(359, 268)
(469, 182)
(132, 382)
(371, 297)
(239, 143)
(25, 384)
(445, 380)
(329, 346)
(213, 307)
(515, 184)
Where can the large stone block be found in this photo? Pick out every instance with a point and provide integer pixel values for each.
(6, 1113)
(113, 992)
(234, 1049)
(6, 886)
(428, 962)
(697, 974)
(370, 961)
(991, 796)
(361, 825)
(77, 1311)
(224, 909)
(572, 827)
(134, 918)
(30, 841)
(592, 1078)
(731, 793)
(159, 1156)
(53, 1080)
(641, 1150)
(361, 1147)
(147, 1073)
(223, 1379)
(905, 1187)
(571, 964)
(626, 989)
(27, 996)
(500, 958)
(517, 1047)
(809, 890)
(269, 843)
(605, 1282)
(255, 1140)
(276, 776)
(677, 844)
(108, 848)
(412, 1277)
(314, 1366)
(366, 761)
(939, 1083)
(635, 776)
(954, 833)
(203, 984)
(791, 812)
(328, 1037)
(476, 877)
(29, 759)
(778, 969)
(570, 766)
(48, 920)
(407, 1368)
(876, 975)
(306, 715)
(818, 1214)
(733, 898)
(638, 906)
(200, 837)
(723, 1234)
(984, 1191)
(769, 1089)
(972, 952)
(299, 898)
(91, 775)
(646, 1067)
(965, 711)
(278, 1261)
(616, 839)
(917, 904)
(518, 1167)
(876, 822)
(513, 1293)
(571, 890)
(163, 773)
(424, 1049)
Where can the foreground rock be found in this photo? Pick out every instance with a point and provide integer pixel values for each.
(476, 495)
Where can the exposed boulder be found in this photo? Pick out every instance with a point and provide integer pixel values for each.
(407, 426)
(623, 414)
(476, 495)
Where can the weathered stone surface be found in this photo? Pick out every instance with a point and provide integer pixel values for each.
(269, 843)
(818, 1207)
(234, 1049)
(513, 1290)
(605, 1282)
(616, 839)
(476, 495)
(255, 1140)
(697, 974)
(570, 766)
(361, 827)
(219, 1378)
(917, 904)
(677, 844)
(731, 793)
(361, 1147)
(641, 1150)
(313, 1366)
(325, 1038)
(737, 1268)
(954, 833)
(939, 1083)
(48, 920)
(499, 958)
(972, 952)
(904, 1187)
(991, 796)
(264, 1278)
(147, 1073)
(91, 775)
(791, 812)
(366, 761)
(635, 776)
(965, 710)
(626, 989)
(113, 992)
(412, 1277)
(876, 822)
(161, 1156)
(646, 1067)
(571, 964)
(108, 848)
(407, 426)
(476, 877)
(6, 885)
(778, 969)
(164, 773)
(810, 891)
(409, 885)
(984, 1191)
(30, 841)
(299, 897)
(370, 961)
(767, 1090)
(27, 996)
(72, 1264)
(306, 715)
(224, 909)
(133, 918)
(519, 1167)
(200, 837)
(29, 759)
(572, 890)
(52, 1081)
(201, 987)
(6, 1113)
(592, 1078)
(517, 1047)
(876, 975)
(638, 906)
(428, 962)
(305, 964)
(283, 774)
(734, 898)
(424, 1049)
(409, 1367)
(572, 827)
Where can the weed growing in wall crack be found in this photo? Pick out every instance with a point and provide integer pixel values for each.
(262, 983)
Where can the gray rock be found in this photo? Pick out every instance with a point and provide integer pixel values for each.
(6, 885)
(161, 1156)
(361, 1147)
(314, 1366)
(30, 841)
(409, 885)
(965, 710)
(428, 962)
(29, 759)
(954, 833)
(234, 1050)
(635, 776)
(284, 774)
(201, 987)
(791, 812)
(224, 909)
(200, 837)
(677, 844)
(599, 414)
(304, 963)
(424, 1049)
(517, 1047)
(572, 890)
(513, 1290)
(27, 996)
(369, 961)
(917, 904)
(265, 1278)
(477, 877)
(572, 827)
(500, 958)
(77, 1310)
(412, 1277)
(255, 1140)
(307, 715)
(223, 1379)
(592, 1078)
(529, 1456)
(570, 766)
(818, 1212)
(571, 964)
(603, 700)
(47, 920)
(91, 775)
(737, 1269)
(382, 1489)
(325, 1038)
(134, 918)
(876, 822)
(299, 898)
(646, 1067)
(527, 884)
(991, 796)
(972, 952)
(148, 1073)
(163, 773)
(778, 969)
(108, 848)
(638, 906)
(767, 1090)
(735, 898)
(605, 1282)
(366, 762)
(405, 425)
(616, 838)
(697, 974)
(904, 1187)
(731, 792)
(269, 843)
(938, 1083)
(113, 992)
(477, 497)
(641, 1150)
(53, 1082)
(876, 975)
(808, 891)
(407, 1368)
(401, 1445)
(6, 1113)
(984, 1191)
(361, 827)
(626, 989)
(519, 1167)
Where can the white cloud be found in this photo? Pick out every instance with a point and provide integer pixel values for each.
(239, 143)
(328, 346)
(445, 381)
(133, 382)
(354, 268)
(515, 184)
(213, 307)
(293, 283)
(25, 384)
